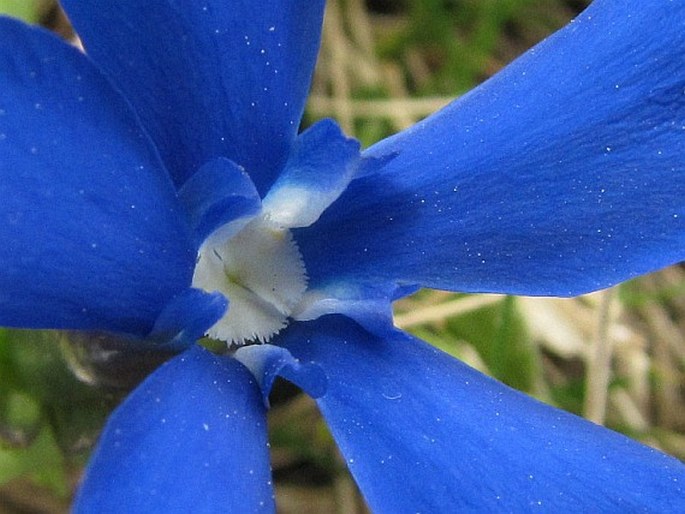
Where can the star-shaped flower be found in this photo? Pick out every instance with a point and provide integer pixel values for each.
(156, 189)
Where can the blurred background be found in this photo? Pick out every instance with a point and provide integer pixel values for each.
(616, 357)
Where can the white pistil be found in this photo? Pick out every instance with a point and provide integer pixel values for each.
(261, 272)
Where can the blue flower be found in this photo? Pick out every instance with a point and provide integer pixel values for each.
(157, 190)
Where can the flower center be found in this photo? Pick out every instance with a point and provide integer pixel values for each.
(261, 272)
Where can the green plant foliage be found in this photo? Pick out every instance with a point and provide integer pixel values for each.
(42, 462)
(27, 10)
(499, 336)
(47, 415)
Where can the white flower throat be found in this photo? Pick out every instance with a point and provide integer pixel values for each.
(252, 259)
(261, 272)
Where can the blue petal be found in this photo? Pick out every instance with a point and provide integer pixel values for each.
(211, 78)
(185, 319)
(267, 362)
(320, 167)
(191, 438)
(93, 236)
(368, 305)
(422, 432)
(218, 194)
(562, 174)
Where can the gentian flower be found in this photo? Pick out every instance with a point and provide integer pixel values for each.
(156, 189)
